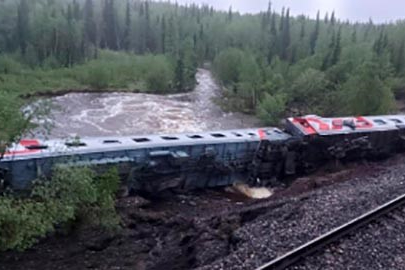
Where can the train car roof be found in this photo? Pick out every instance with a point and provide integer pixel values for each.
(31, 149)
(315, 125)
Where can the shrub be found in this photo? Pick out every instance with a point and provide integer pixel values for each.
(9, 66)
(12, 121)
(271, 109)
(158, 74)
(227, 65)
(72, 194)
(97, 76)
(367, 92)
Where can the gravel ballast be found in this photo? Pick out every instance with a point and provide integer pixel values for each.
(304, 218)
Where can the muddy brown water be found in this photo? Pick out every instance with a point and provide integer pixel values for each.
(109, 114)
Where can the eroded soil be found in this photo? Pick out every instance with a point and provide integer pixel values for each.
(176, 231)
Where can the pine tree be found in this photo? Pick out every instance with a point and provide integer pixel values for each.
(127, 32)
(149, 35)
(23, 25)
(90, 28)
(268, 13)
(163, 34)
(381, 43)
(230, 14)
(332, 19)
(76, 10)
(179, 74)
(171, 38)
(327, 59)
(337, 49)
(69, 15)
(273, 25)
(286, 38)
(369, 28)
(314, 36)
(281, 26)
(400, 59)
(272, 44)
(354, 35)
(302, 31)
(110, 38)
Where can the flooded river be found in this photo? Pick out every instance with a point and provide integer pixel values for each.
(106, 114)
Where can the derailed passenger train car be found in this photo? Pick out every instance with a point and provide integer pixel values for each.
(346, 138)
(148, 163)
(211, 159)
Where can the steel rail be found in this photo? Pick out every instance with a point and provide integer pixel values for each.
(316, 244)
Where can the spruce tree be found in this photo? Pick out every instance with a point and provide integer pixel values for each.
(354, 35)
(337, 48)
(281, 26)
(127, 32)
(90, 28)
(314, 36)
(332, 19)
(110, 25)
(286, 38)
(230, 14)
(163, 34)
(179, 74)
(400, 58)
(23, 25)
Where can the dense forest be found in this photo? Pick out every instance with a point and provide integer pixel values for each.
(271, 63)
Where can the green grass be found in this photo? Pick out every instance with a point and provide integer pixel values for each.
(111, 71)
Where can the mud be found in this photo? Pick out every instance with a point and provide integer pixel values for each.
(178, 231)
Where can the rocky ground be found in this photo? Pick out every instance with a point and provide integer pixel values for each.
(380, 245)
(310, 215)
(219, 230)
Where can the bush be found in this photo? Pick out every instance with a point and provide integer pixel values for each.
(9, 66)
(13, 123)
(367, 92)
(72, 194)
(271, 109)
(158, 74)
(309, 90)
(227, 65)
(97, 76)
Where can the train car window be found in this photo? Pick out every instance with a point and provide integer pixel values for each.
(111, 141)
(397, 121)
(75, 144)
(337, 122)
(379, 122)
(252, 134)
(36, 147)
(237, 134)
(218, 135)
(168, 138)
(195, 137)
(141, 140)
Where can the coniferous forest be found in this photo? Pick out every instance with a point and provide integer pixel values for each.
(270, 64)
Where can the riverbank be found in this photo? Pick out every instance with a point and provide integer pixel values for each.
(110, 72)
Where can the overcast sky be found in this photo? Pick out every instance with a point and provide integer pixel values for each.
(354, 10)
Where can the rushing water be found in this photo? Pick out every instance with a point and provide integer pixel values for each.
(106, 114)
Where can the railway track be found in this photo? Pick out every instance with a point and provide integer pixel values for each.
(300, 253)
